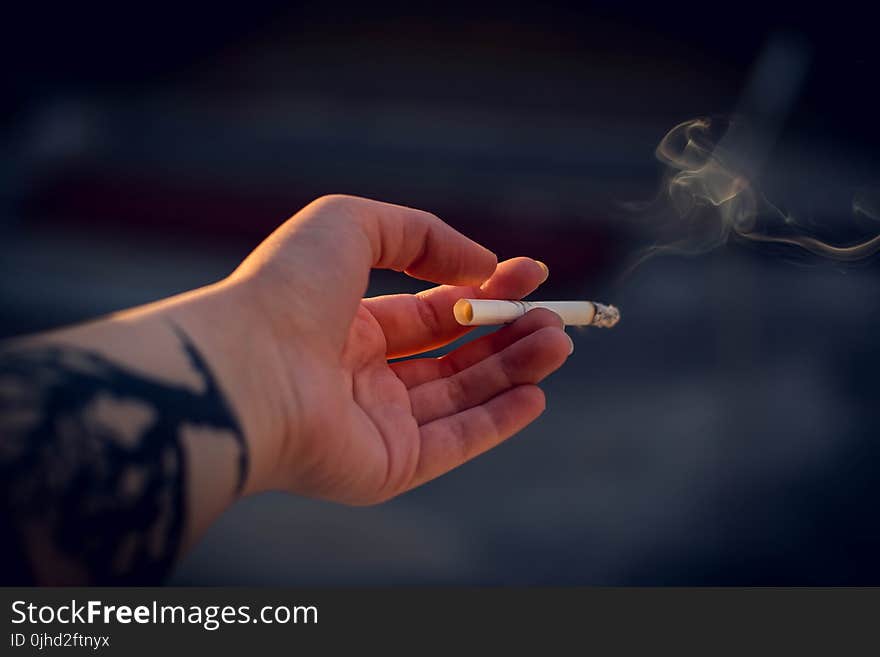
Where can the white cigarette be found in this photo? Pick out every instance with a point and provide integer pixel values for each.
(482, 312)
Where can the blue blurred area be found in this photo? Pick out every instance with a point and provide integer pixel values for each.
(724, 433)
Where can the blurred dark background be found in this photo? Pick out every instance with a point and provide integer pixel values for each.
(725, 433)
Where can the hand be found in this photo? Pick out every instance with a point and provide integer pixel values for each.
(339, 421)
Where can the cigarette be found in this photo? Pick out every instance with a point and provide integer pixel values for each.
(483, 312)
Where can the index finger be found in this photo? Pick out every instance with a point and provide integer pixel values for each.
(421, 245)
(329, 247)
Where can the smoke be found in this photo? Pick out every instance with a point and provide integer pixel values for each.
(714, 199)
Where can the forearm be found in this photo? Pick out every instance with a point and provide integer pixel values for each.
(122, 439)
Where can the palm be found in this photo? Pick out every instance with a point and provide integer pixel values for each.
(379, 413)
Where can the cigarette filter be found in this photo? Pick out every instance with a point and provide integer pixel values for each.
(481, 312)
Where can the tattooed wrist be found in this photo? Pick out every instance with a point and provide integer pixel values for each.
(92, 463)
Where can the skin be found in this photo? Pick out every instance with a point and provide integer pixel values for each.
(305, 362)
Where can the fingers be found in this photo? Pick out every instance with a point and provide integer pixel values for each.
(451, 441)
(325, 253)
(528, 360)
(418, 243)
(421, 370)
(424, 321)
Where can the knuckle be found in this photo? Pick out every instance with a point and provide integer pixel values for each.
(461, 445)
(512, 361)
(335, 205)
(333, 199)
(428, 315)
(337, 212)
(456, 393)
(430, 217)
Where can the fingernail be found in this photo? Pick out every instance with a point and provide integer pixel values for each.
(571, 349)
(545, 268)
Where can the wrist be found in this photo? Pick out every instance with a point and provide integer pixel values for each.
(219, 319)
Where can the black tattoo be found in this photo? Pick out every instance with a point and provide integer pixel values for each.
(98, 499)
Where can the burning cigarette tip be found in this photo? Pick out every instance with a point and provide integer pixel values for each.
(483, 312)
(606, 316)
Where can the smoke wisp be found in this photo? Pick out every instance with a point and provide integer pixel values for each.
(714, 199)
